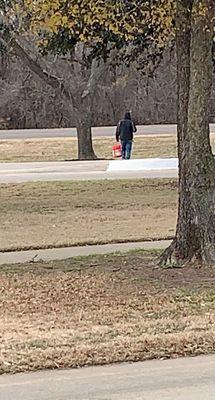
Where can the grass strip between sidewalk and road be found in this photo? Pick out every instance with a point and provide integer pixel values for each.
(61, 149)
(63, 214)
(103, 309)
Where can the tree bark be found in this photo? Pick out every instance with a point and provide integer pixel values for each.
(84, 130)
(84, 114)
(195, 232)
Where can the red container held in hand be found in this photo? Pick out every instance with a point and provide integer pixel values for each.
(117, 150)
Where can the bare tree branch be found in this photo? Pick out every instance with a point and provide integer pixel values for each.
(97, 69)
(51, 80)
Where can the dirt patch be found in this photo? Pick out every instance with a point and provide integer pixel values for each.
(41, 215)
(103, 309)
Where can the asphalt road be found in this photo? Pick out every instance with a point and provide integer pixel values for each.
(76, 170)
(179, 379)
(71, 132)
(97, 132)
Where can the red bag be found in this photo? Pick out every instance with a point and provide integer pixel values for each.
(117, 150)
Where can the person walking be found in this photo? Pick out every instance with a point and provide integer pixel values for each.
(125, 133)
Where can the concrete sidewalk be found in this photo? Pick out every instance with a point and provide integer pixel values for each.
(179, 379)
(16, 257)
(86, 170)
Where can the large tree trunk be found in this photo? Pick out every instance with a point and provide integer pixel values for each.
(195, 233)
(84, 131)
(84, 114)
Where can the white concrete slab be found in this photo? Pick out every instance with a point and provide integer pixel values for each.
(150, 164)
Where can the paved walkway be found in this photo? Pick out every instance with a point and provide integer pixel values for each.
(84, 170)
(179, 379)
(144, 164)
(70, 252)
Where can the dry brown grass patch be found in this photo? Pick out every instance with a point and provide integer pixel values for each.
(60, 149)
(103, 309)
(69, 213)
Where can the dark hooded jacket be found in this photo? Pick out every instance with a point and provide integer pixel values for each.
(126, 128)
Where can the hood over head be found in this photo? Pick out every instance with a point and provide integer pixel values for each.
(127, 115)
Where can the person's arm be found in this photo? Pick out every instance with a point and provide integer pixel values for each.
(134, 127)
(118, 131)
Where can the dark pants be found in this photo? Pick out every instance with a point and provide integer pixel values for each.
(126, 149)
